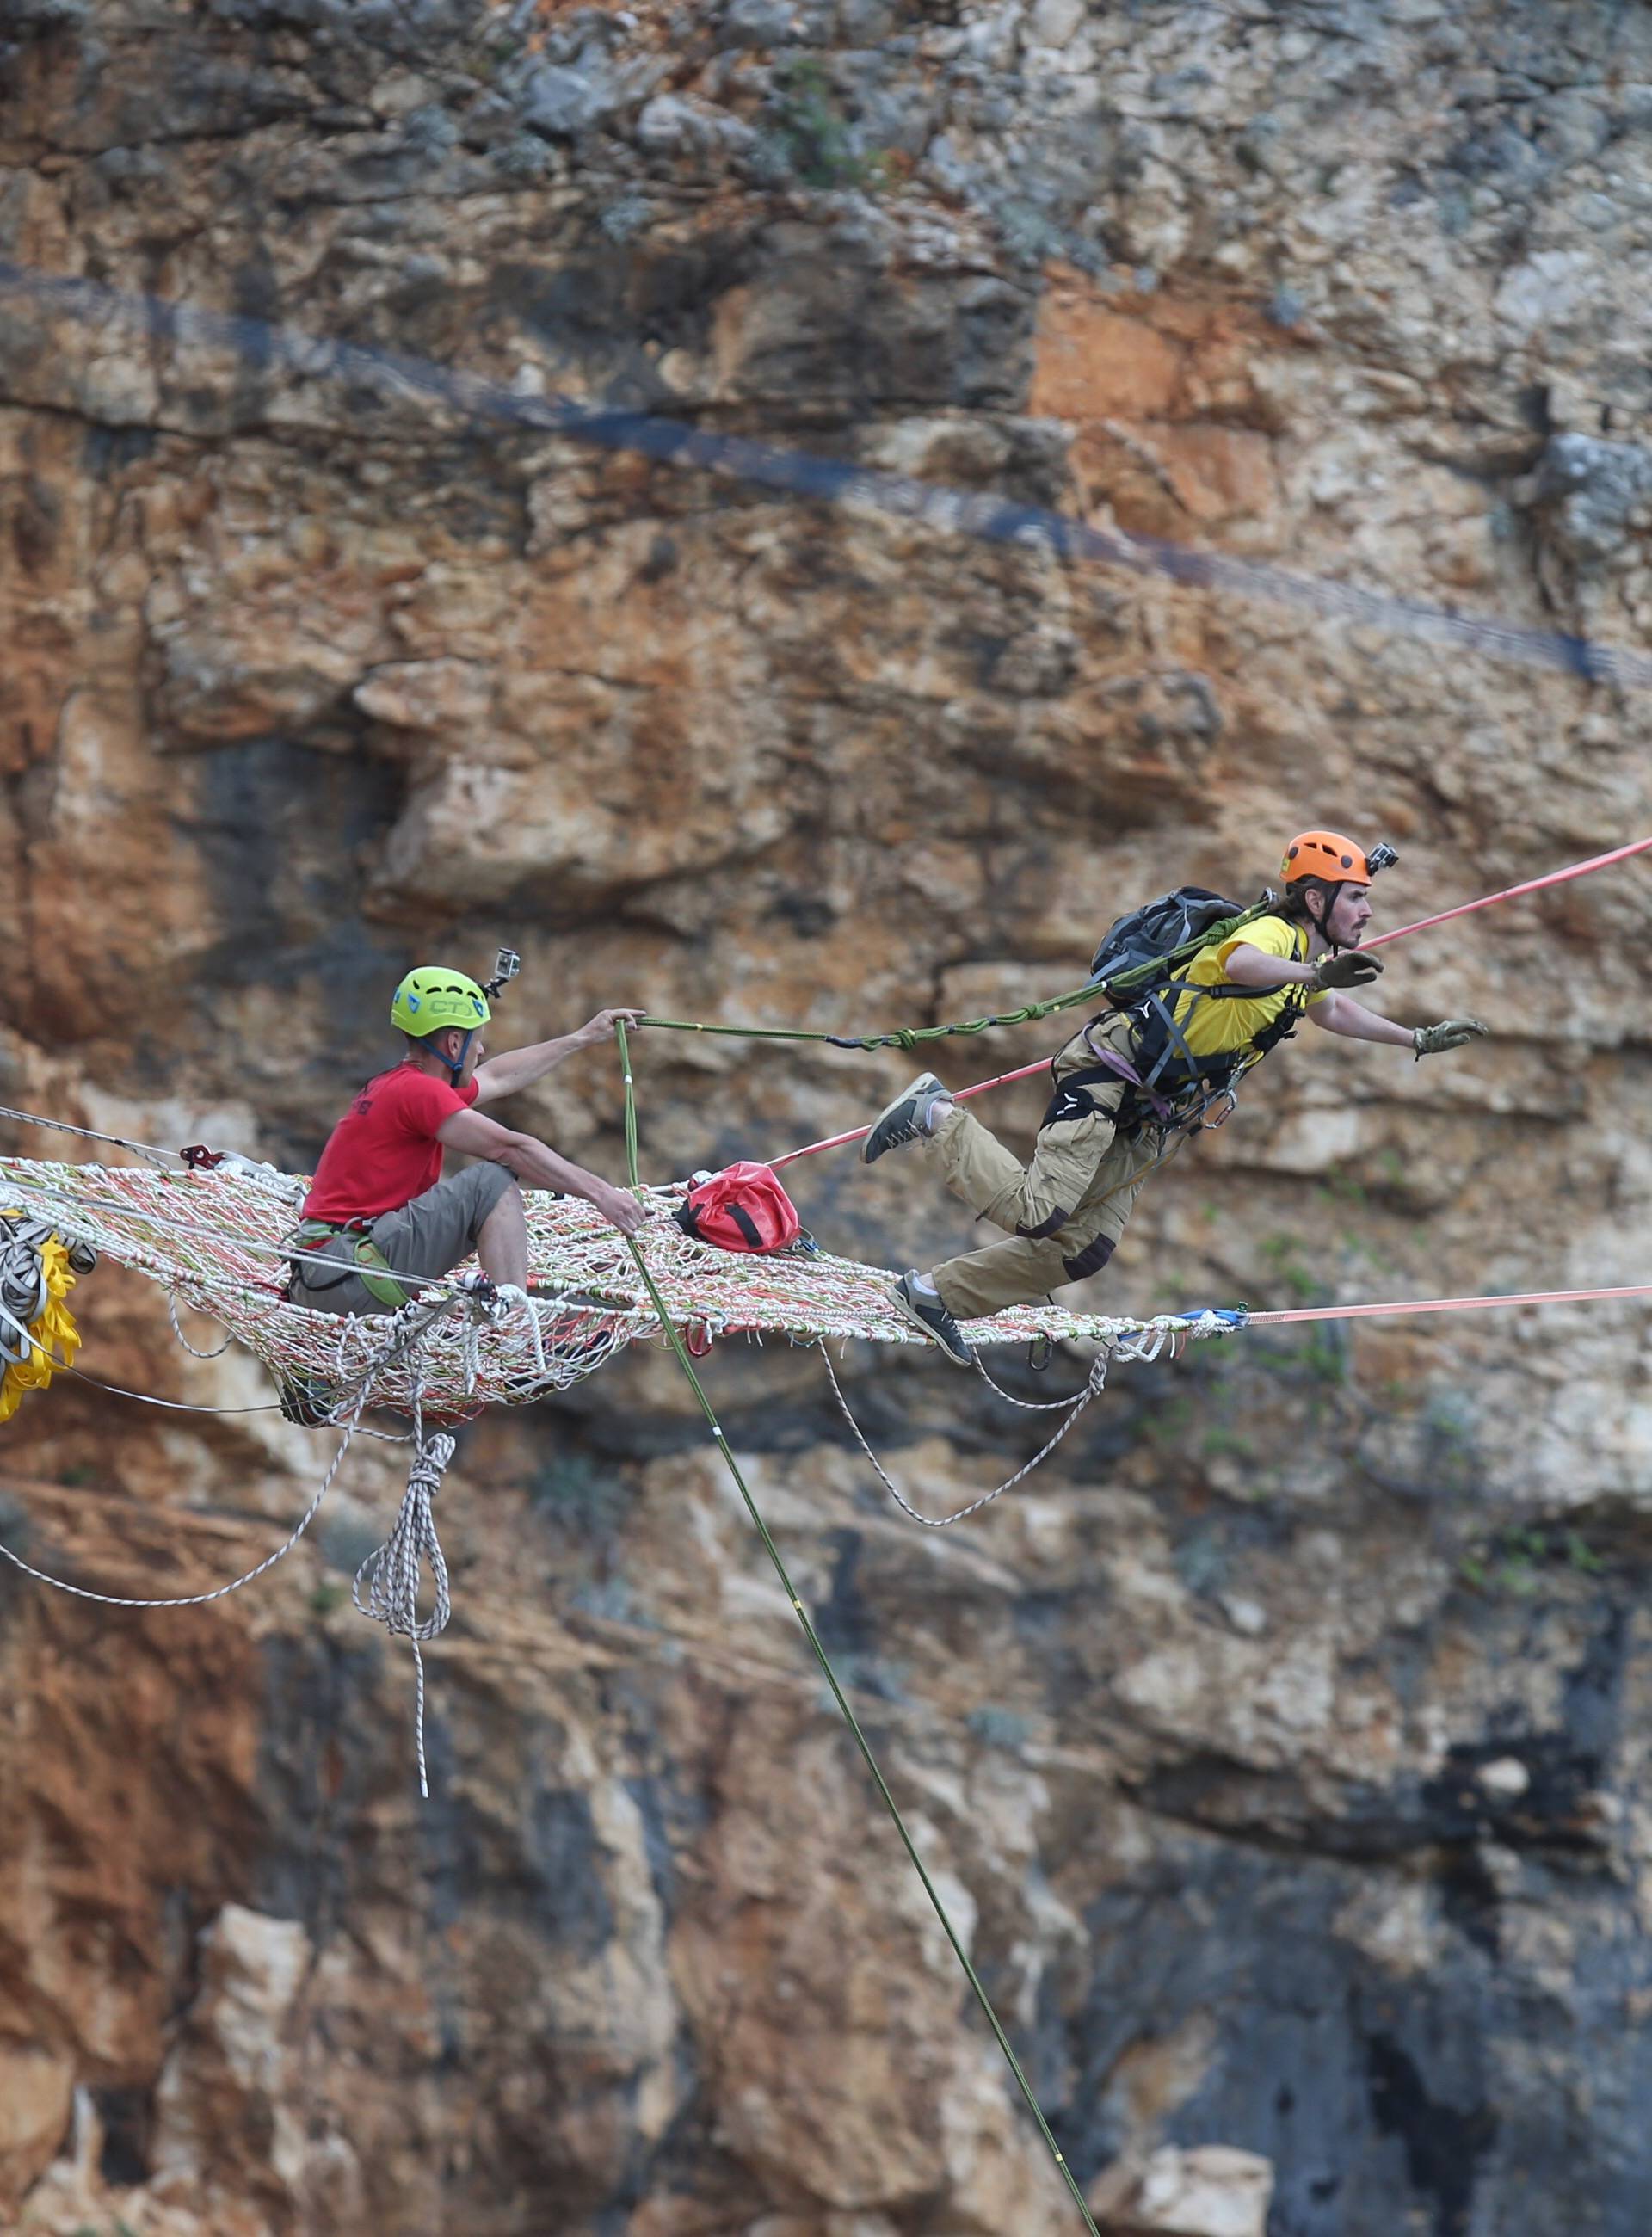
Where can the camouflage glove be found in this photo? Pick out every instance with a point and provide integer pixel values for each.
(1450, 1033)
(1346, 967)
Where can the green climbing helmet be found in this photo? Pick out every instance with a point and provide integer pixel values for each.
(432, 998)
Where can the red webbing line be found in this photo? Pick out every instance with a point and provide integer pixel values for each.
(958, 1095)
(1443, 1305)
(1510, 893)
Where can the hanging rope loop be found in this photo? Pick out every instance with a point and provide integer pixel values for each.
(390, 1579)
(1093, 1385)
(386, 1586)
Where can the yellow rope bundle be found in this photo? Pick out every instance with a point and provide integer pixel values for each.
(56, 1338)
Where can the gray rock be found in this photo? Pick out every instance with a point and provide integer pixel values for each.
(560, 102)
(757, 24)
(671, 126)
(627, 218)
(1594, 495)
(1052, 23)
(432, 128)
(867, 23)
(523, 158)
(37, 18)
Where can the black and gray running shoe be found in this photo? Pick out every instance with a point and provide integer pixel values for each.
(905, 1119)
(929, 1315)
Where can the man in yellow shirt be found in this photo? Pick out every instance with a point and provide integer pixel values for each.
(1131, 1079)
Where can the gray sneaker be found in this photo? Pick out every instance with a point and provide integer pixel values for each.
(906, 1118)
(931, 1318)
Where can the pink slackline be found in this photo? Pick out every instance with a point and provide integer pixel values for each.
(1510, 892)
(1443, 1305)
(958, 1095)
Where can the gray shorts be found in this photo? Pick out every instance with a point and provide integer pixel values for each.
(426, 1237)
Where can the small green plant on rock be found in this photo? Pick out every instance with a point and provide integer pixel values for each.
(1511, 1562)
(1301, 1283)
(815, 136)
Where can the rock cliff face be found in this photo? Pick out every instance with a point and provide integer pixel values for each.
(1280, 1746)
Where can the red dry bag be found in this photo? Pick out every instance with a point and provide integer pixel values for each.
(742, 1208)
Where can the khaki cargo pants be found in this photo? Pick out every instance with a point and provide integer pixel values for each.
(1065, 1211)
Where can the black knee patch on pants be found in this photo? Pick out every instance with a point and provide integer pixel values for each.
(1057, 1220)
(1094, 1256)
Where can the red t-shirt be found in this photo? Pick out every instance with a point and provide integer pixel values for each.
(383, 1152)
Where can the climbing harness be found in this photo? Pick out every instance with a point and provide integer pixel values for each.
(370, 1267)
(1140, 968)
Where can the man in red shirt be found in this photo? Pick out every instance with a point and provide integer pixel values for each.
(378, 1199)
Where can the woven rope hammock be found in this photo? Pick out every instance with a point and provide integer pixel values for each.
(214, 1242)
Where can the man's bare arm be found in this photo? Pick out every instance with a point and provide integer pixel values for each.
(515, 1069)
(1340, 1013)
(538, 1166)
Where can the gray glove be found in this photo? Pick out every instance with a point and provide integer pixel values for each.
(1346, 967)
(1450, 1033)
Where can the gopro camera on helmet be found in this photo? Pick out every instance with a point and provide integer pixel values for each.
(505, 969)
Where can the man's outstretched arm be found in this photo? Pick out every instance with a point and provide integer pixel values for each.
(538, 1166)
(515, 1069)
(1340, 1013)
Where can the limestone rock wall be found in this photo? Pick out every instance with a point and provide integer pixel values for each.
(1279, 1747)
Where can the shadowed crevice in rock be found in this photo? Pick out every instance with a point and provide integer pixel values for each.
(1443, 2143)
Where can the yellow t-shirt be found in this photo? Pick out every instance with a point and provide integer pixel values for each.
(1215, 1025)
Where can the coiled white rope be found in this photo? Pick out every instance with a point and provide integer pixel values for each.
(345, 1418)
(391, 1576)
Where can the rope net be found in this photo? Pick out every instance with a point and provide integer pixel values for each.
(215, 1242)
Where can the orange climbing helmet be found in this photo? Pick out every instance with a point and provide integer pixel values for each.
(1329, 855)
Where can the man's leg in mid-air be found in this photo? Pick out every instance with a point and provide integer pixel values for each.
(1024, 1270)
(1039, 1202)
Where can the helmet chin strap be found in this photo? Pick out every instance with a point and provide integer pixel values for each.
(456, 1070)
(1321, 924)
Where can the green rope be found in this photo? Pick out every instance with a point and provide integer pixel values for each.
(909, 1036)
(630, 1104)
(838, 1695)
